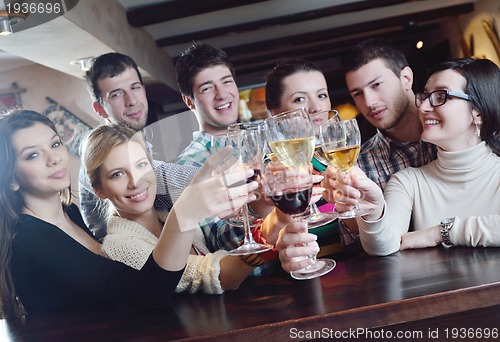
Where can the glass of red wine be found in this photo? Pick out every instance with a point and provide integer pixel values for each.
(290, 189)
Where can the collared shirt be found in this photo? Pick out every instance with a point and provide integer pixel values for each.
(198, 151)
(219, 234)
(380, 157)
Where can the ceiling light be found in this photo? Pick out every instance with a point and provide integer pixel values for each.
(420, 44)
(84, 63)
(8, 20)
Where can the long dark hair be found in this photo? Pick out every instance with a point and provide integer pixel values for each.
(274, 79)
(482, 78)
(12, 202)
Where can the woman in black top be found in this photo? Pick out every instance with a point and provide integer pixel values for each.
(49, 259)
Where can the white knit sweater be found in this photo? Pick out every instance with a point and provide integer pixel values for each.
(131, 243)
(463, 184)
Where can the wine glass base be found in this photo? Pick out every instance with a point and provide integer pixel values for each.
(319, 268)
(353, 213)
(250, 248)
(320, 219)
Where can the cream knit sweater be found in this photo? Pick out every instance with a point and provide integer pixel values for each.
(131, 244)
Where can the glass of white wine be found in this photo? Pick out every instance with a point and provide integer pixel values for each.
(290, 134)
(290, 189)
(341, 141)
(314, 217)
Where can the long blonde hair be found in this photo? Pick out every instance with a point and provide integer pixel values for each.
(96, 148)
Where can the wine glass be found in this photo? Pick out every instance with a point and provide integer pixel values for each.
(248, 150)
(290, 188)
(288, 134)
(314, 217)
(341, 141)
(218, 142)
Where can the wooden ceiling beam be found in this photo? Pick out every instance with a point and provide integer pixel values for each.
(157, 13)
(276, 21)
(370, 26)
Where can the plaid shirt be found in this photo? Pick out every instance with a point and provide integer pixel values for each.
(197, 152)
(379, 158)
(218, 233)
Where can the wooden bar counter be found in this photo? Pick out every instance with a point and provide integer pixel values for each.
(432, 294)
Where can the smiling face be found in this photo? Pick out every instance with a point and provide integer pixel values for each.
(382, 97)
(215, 99)
(42, 168)
(124, 99)
(306, 89)
(127, 179)
(451, 125)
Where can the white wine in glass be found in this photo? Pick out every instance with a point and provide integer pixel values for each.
(341, 141)
(287, 150)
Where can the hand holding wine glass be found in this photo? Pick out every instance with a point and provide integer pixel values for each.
(290, 188)
(341, 142)
(289, 134)
(248, 149)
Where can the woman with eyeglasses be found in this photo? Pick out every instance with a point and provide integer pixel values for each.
(454, 200)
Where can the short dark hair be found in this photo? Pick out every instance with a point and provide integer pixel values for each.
(107, 65)
(375, 48)
(274, 79)
(196, 58)
(482, 78)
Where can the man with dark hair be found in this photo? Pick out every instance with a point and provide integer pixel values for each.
(380, 82)
(206, 81)
(119, 96)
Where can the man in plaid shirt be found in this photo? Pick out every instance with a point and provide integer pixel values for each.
(380, 82)
(206, 81)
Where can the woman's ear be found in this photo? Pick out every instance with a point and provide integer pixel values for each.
(99, 193)
(478, 120)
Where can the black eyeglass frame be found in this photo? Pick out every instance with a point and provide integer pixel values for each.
(447, 94)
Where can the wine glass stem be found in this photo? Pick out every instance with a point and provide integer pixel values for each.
(313, 209)
(246, 224)
(299, 218)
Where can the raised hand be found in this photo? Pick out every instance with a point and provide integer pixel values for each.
(217, 189)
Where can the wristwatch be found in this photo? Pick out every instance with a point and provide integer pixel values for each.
(446, 226)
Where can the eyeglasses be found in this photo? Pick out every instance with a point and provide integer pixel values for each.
(438, 97)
